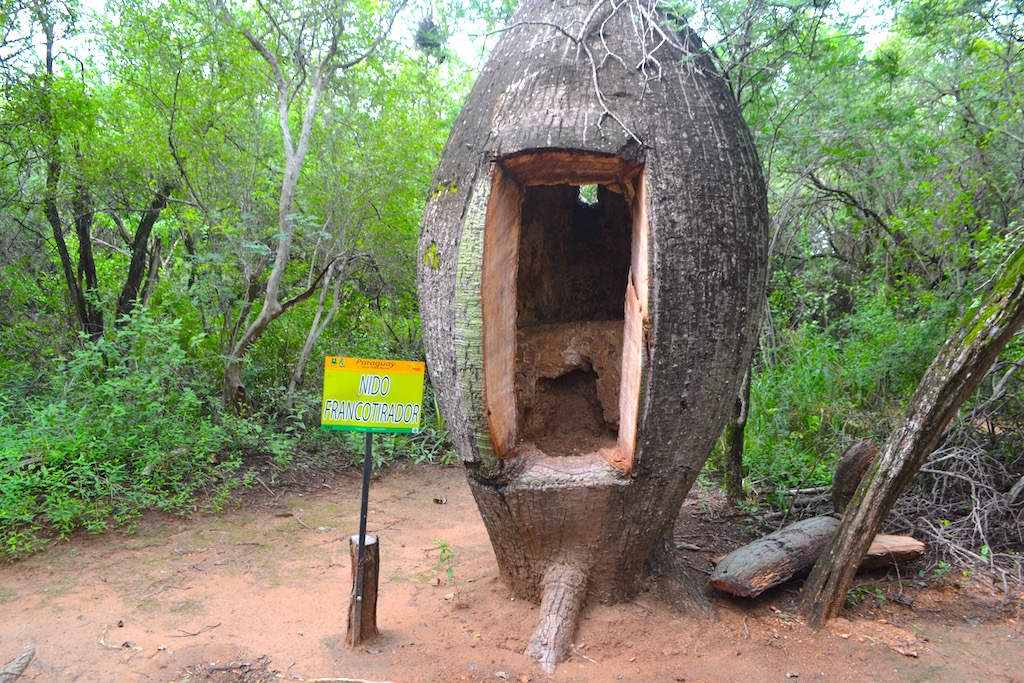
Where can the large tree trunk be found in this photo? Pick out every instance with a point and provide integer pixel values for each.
(586, 355)
(952, 377)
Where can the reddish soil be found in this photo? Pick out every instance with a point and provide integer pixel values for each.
(260, 594)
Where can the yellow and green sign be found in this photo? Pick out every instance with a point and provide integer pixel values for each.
(364, 395)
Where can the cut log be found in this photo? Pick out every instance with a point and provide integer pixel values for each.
(888, 550)
(774, 559)
(365, 627)
(790, 552)
(850, 470)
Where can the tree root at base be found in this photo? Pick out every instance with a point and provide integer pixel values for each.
(565, 588)
(17, 666)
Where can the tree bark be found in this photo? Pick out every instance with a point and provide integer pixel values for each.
(773, 559)
(16, 667)
(137, 267)
(954, 374)
(368, 605)
(732, 445)
(581, 442)
(789, 552)
(850, 472)
(337, 271)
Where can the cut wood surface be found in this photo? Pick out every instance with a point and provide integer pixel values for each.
(776, 558)
(886, 550)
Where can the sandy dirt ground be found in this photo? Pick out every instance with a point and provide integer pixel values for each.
(260, 594)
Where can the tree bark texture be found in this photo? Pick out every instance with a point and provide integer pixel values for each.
(954, 374)
(774, 559)
(578, 92)
(16, 667)
(850, 472)
(141, 265)
(791, 551)
(732, 444)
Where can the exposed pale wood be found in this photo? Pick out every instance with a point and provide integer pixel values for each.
(888, 550)
(636, 323)
(498, 296)
(368, 605)
(574, 167)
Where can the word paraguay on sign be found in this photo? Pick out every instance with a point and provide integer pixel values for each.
(364, 395)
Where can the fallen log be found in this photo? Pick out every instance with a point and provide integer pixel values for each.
(888, 550)
(773, 559)
(791, 551)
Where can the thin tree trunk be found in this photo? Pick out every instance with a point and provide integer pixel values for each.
(154, 271)
(295, 149)
(320, 322)
(84, 310)
(140, 257)
(954, 374)
(733, 444)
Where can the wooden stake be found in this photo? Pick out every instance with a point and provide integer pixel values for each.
(362, 609)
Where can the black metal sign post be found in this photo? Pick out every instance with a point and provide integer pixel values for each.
(361, 553)
(372, 396)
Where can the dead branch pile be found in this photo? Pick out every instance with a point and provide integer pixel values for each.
(967, 503)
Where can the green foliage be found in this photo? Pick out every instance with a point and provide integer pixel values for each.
(859, 594)
(446, 564)
(829, 387)
(124, 427)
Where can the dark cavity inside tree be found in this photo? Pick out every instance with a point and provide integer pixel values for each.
(592, 266)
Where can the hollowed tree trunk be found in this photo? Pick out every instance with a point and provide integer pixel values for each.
(586, 345)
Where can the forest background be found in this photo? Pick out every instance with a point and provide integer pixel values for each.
(200, 200)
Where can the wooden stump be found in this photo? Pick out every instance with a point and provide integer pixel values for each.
(366, 608)
(850, 470)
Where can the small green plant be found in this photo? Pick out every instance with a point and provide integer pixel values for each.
(446, 564)
(858, 594)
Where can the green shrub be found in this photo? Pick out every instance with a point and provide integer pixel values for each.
(829, 387)
(123, 427)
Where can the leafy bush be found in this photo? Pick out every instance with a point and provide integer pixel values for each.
(829, 387)
(123, 427)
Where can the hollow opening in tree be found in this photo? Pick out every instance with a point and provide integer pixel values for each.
(564, 291)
